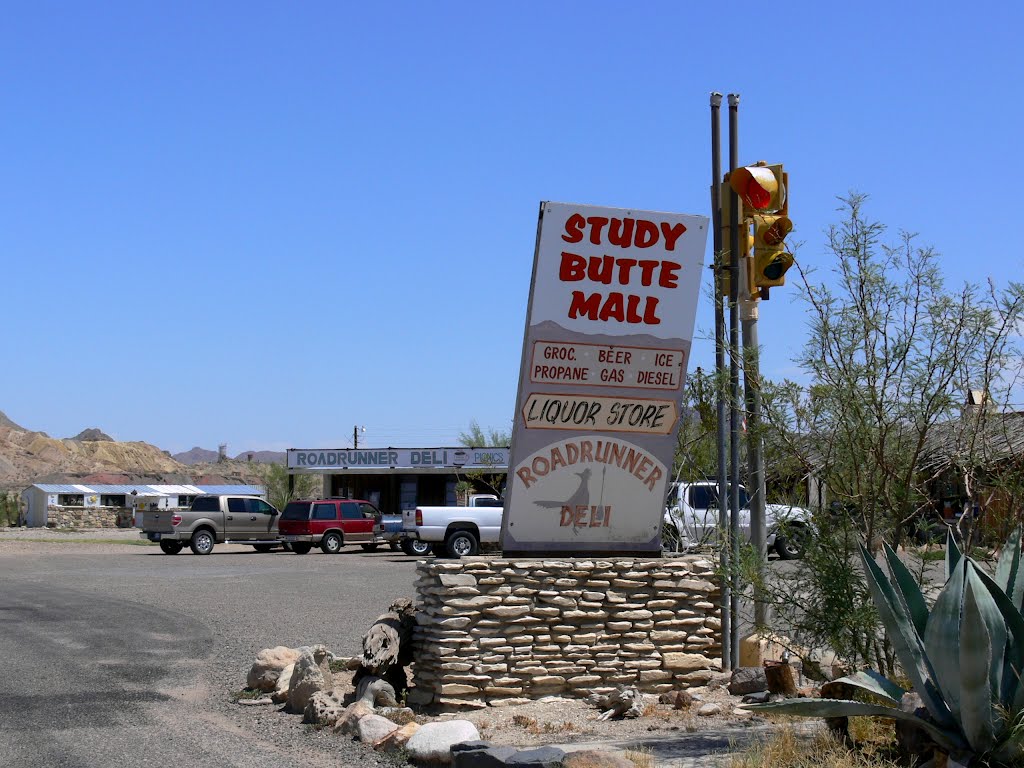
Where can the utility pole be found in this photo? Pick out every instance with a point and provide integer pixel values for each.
(355, 435)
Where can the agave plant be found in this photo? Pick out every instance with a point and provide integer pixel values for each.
(963, 657)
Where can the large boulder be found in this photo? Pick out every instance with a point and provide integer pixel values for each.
(747, 680)
(539, 757)
(347, 724)
(323, 708)
(374, 728)
(480, 754)
(266, 670)
(376, 691)
(433, 742)
(284, 682)
(307, 678)
(397, 739)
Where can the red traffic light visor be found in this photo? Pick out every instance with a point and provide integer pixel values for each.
(757, 186)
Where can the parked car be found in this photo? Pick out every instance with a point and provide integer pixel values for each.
(393, 534)
(691, 519)
(453, 531)
(331, 524)
(212, 520)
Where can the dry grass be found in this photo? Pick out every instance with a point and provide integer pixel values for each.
(531, 725)
(641, 758)
(874, 739)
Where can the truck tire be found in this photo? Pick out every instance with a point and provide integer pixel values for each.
(394, 546)
(791, 544)
(263, 547)
(415, 547)
(301, 547)
(331, 543)
(171, 547)
(202, 542)
(462, 544)
(369, 547)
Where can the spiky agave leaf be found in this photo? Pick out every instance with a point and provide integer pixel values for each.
(975, 654)
(1012, 692)
(908, 589)
(951, 740)
(908, 645)
(953, 552)
(1009, 575)
(874, 683)
(989, 613)
(942, 637)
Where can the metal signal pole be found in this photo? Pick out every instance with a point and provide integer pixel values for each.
(717, 270)
(734, 374)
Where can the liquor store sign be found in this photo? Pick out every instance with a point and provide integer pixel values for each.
(610, 322)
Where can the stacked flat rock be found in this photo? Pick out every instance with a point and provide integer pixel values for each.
(502, 632)
(88, 517)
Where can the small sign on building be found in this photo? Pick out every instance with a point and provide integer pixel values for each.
(609, 326)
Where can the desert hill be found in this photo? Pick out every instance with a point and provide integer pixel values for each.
(28, 457)
(199, 455)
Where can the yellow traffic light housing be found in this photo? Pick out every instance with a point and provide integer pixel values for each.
(761, 188)
(771, 260)
(723, 261)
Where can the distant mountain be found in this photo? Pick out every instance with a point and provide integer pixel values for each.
(5, 422)
(199, 455)
(28, 457)
(196, 455)
(92, 434)
(262, 457)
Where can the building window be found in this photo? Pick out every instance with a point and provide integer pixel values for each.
(112, 500)
(71, 500)
(185, 501)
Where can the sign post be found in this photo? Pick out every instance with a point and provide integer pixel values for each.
(609, 326)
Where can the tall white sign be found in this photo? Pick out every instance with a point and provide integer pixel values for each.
(609, 326)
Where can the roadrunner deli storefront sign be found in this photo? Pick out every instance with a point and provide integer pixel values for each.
(608, 332)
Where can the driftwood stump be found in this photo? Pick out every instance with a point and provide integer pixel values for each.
(780, 678)
(621, 703)
(387, 649)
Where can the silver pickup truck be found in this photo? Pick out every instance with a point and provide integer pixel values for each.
(213, 520)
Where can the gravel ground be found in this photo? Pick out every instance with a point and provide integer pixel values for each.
(249, 601)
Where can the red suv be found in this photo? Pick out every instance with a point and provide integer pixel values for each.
(330, 523)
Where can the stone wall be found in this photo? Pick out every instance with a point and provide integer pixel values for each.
(85, 517)
(498, 631)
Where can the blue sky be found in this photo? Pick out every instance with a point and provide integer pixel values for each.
(264, 223)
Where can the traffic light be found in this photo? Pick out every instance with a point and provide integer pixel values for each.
(723, 261)
(771, 260)
(761, 188)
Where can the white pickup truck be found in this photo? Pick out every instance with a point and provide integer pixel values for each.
(691, 519)
(453, 531)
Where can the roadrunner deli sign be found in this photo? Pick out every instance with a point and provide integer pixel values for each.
(610, 321)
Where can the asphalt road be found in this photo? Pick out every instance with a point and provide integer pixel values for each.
(118, 655)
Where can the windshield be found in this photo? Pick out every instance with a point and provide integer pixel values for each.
(296, 510)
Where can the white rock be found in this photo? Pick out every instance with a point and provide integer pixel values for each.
(433, 741)
(284, 681)
(373, 728)
(266, 671)
(307, 679)
(710, 709)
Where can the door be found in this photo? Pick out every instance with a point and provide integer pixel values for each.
(267, 518)
(250, 519)
(357, 527)
(322, 516)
